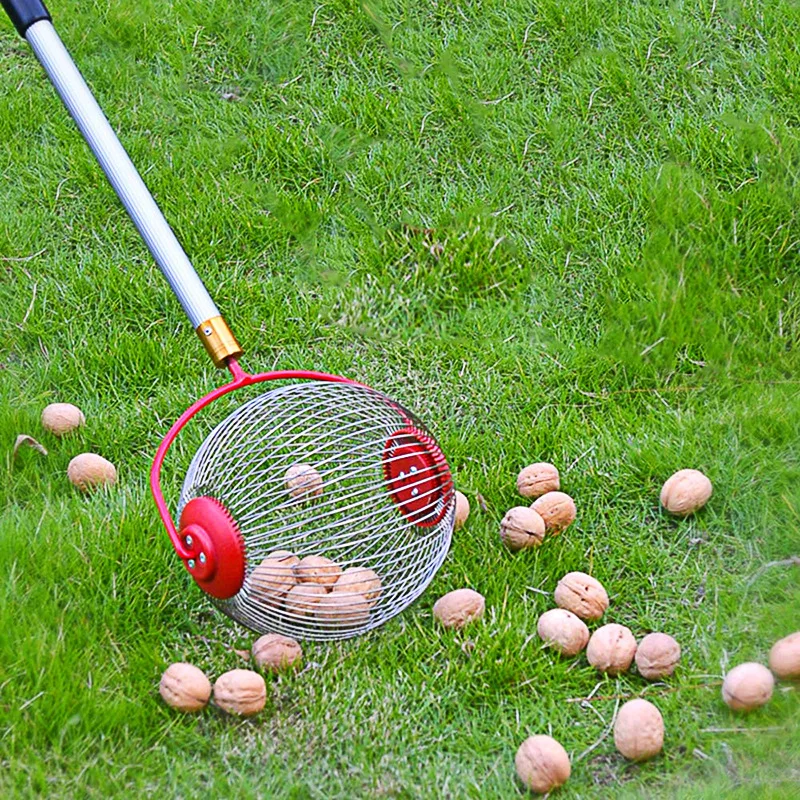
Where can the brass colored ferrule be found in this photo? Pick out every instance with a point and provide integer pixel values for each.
(218, 340)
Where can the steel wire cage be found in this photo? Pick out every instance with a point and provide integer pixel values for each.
(371, 492)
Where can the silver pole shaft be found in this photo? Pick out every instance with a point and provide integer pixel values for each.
(121, 173)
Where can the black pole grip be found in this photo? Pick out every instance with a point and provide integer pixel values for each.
(24, 13)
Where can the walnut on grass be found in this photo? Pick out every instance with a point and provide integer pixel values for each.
(657, 656)
(89, 471)
(542, 764)
(582, 594)
(557, 509)
(639, 730)
(611, 649)
(538, 479)
(462, 510)
(563, 631)
(62, 418)
(784, 657)
(241, 692)
(520, 528)
(685, 492)
(185, 687)
(458, 608)
(276, 653)
(747, 686)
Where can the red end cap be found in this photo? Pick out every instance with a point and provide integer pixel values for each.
(216, 549)
(417, 476)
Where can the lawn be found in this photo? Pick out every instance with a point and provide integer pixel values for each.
(562, 231)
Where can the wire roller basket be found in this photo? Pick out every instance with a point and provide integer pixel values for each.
(343, 502)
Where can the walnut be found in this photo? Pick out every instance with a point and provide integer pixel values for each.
(611, 649)
(318, 569)
(542, 764)
(639, 730)
(462, 510)
(277, 653)
(62, 418)
(563, 631)
(342, 609)
(784, 657)
(685, 492)
(657, 656)
(521, 527)
(185, 687)
(359, 580)
(303, 482)
(538, 479)
(272, 579)
(90, 471)
(302, 599)
(240, 691)
(747, 686)
(557, 510)
(581, 594)
(456, 609)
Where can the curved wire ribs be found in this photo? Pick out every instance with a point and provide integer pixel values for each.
(341, 431)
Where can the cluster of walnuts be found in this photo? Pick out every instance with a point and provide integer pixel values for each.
(241, 692)
(551, 512)
(522, 527)
(611, 649)
(541, 762)
(316, 588)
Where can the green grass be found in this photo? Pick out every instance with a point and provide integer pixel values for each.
(608, 281)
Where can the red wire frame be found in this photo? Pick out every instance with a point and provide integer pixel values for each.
(241, 379)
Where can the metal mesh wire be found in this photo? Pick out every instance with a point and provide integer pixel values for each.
(340, 508)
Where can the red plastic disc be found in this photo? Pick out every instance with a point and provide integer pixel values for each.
(216, 549)
(417, 476)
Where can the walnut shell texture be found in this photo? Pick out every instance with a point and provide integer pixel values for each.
(241, 692)
(462, 510)
(185, 687)
(639, 730)
(657, 656)
(302, 599)
(272, 579)
(521, 527)
(542, 764)
(62, 418)
(458, 608)
(303, 482)
(90, 471)
(359, 580)
(563, 631)
(318, 569)
(277, 653)
(582, 594)
(685, 492)
(611, 649)
(747, 686)
(557, 510)
(538, 479)
(342, 609)
(784, 657)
